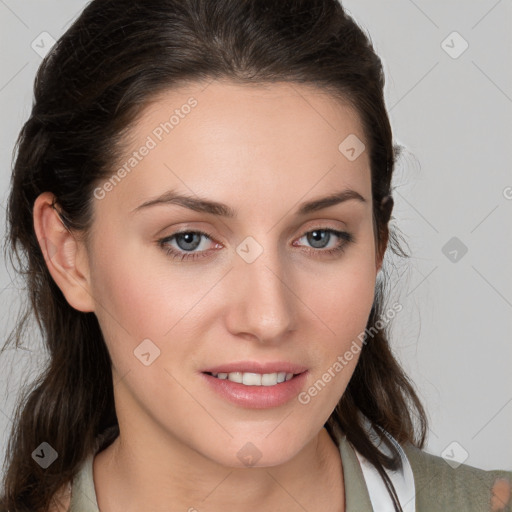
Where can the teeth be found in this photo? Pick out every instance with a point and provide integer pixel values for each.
(255, 379)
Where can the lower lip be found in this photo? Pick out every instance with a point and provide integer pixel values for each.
(257, 397)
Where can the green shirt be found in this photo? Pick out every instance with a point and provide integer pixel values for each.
(439, 487)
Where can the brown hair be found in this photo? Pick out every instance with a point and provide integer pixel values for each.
(115, 58)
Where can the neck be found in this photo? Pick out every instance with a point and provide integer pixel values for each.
(132, 474)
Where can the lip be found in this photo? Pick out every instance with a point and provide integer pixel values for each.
(257, 397)
(257, 367)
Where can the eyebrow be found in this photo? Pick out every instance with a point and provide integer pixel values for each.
(203, 205)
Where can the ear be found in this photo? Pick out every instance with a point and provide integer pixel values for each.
(386, 207)
(65, 256)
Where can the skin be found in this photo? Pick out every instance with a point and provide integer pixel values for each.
(262, 150)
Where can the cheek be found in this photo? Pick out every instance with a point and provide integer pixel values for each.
(343, 306)
(129, 293)
(343, 300)
(348, 302)
(141, 298)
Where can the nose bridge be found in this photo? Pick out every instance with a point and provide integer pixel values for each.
(264, 302)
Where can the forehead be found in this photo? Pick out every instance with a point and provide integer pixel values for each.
(220, 137)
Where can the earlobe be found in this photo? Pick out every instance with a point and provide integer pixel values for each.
(65, 256)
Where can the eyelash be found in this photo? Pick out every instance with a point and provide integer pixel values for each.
(339, 249)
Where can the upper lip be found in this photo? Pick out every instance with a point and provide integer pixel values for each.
(256, 367)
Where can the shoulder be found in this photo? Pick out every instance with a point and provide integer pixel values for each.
(441, 486)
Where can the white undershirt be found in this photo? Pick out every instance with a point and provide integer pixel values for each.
(403, 481)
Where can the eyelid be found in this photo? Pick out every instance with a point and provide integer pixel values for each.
(344, 236)
(195, 227)
(321, 224)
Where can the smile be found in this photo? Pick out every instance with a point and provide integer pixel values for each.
(254, 379)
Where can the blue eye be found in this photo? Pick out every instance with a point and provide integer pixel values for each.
(319, 236)
(189, 241)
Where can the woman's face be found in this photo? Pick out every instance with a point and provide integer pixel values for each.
(267, 285)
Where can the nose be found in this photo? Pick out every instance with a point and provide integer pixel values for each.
(262, 303)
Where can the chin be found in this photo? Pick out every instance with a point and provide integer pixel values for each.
(258, 451)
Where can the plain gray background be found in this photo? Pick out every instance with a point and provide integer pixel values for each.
(451, 106)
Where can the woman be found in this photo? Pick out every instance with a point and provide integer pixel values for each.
(202, 193)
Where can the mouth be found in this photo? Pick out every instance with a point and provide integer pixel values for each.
(255, 379)
(257, 390)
